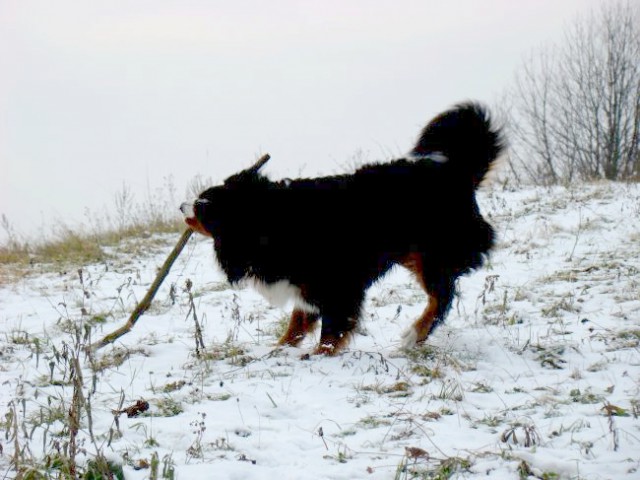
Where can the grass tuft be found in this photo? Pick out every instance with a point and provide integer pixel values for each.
(92, 240)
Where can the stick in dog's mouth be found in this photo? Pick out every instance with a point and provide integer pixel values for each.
(190, 218)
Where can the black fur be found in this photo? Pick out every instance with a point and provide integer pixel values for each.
(334, 236)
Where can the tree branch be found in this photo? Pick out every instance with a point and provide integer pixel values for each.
(145, 303)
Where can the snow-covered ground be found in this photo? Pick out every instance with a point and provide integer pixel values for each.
(536, 373)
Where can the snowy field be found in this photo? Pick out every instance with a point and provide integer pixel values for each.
(536, 373)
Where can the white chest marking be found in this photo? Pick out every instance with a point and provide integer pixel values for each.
(281, 293)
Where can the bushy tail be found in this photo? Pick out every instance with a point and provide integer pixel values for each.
(464, 138)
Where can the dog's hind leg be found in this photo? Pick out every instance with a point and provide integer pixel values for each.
(439, 303)
(300, 324)
(440, 289)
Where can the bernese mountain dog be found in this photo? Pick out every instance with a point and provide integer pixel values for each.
(322, 242)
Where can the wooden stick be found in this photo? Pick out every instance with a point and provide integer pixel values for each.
(145, 303)
(260, 163)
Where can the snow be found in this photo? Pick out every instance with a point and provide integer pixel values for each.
(538, 347)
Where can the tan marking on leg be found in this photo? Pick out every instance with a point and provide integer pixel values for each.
(422, 326)
(331, 345)
(300, 324)
(413, 262)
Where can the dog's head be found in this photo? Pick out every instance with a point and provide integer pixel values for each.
(208, 210)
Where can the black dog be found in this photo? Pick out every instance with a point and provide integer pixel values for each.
(323, 241)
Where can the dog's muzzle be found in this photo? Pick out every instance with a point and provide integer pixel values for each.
(187, 210)
(190, 218)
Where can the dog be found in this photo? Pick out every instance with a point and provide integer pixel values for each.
(322, 242)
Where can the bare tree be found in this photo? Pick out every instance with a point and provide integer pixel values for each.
(576, 106)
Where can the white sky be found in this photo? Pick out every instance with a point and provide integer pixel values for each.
(97, 94)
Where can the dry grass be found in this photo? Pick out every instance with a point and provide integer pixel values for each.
(70, 248)
(95, 238)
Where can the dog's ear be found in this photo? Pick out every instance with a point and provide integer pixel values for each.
(259, 164)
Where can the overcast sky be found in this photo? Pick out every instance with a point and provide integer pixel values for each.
(94, 95)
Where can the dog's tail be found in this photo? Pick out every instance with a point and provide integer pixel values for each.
(464, 138)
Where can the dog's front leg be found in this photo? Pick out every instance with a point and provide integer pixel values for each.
(300, 324)
(335, 334)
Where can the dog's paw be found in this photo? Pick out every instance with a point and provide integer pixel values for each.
(409, 338)
(326, 349)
